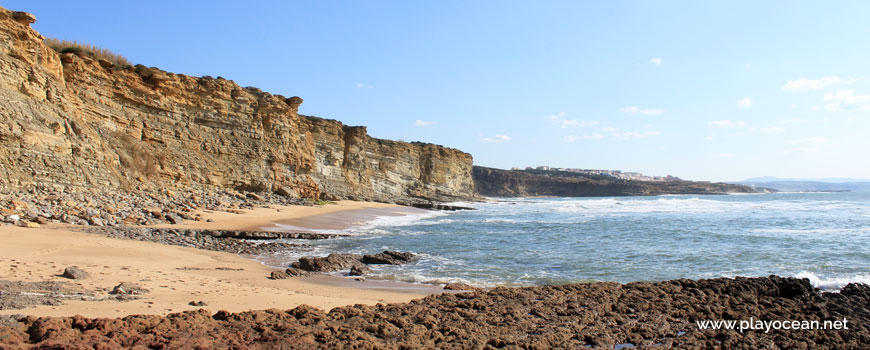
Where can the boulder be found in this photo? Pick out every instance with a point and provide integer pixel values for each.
(291, 272)
(76, 273)
(390, 258)
(287, 191)
(359, 270)
(333, 262)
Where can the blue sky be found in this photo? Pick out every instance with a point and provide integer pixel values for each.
(703, 90)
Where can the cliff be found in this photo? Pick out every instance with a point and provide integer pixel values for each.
(75, 120)
(510, 183)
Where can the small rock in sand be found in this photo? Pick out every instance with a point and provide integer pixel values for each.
(197, 303)
(74, 272)
(127, 288)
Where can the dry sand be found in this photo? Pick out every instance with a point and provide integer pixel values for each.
(176, 276)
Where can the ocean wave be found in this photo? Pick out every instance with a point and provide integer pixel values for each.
(812, 231)
(833, 283)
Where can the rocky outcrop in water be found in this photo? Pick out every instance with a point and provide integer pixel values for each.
(493, 182)
(659, 315)
(72, 120)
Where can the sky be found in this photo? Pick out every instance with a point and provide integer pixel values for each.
(703, 90)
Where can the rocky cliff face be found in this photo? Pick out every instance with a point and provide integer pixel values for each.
(74, 120)
(508, 183)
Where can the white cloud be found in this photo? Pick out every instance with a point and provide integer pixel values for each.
(809, 141)
(609, 129)
(747, 66)
(364, 86)
(804, 84)
(724, 155)
(627, 135)
(746, 102)
(772, 130)
(805, 121)
(845, 100)
(574, 123)
(419, 122)
(645, 111)
(557, 116)
(559, 119)
(727, 124)
(656, 61)
(496, 139)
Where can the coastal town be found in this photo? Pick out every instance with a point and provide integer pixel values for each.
(618, 174)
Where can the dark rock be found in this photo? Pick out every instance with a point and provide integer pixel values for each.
(333, 262)
(436, 206)
(76, 273)
(278, 275)
(359, 270)
(389, 257)
(459, 286)
(197, 303)
(657, 315)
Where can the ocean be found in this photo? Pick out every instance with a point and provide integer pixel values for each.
(535, 241)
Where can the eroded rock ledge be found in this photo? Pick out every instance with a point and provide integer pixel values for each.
(599, 315)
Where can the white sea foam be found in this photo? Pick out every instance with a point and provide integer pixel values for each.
(831, 231)
(613, 205)
(833, 283)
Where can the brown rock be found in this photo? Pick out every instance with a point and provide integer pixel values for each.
(359, 270)
(23, 17)
(76, 273)
(459, 286)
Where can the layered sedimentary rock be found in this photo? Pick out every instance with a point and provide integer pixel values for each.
(511, 183)
(74, 120)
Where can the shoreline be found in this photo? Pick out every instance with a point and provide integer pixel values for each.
(176, 276)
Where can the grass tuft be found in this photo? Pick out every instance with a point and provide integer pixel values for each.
(65, 46)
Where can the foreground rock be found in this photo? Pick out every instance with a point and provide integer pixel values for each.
(600, 315)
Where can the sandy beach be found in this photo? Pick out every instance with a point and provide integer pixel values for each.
(176, 276)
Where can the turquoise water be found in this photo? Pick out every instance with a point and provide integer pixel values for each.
(533, 241)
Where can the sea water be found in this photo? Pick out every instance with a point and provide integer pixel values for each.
(533, 241)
